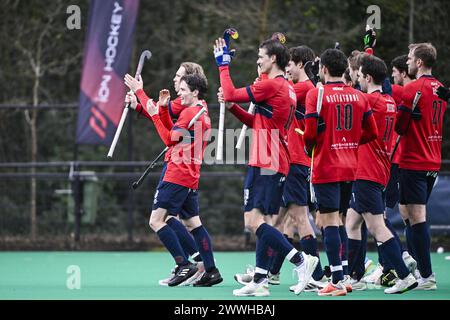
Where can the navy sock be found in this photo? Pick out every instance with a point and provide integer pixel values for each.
(343, 250)
(186, 240)
(204, 245)
(394, 233)
(309, 246)
(278, 260)
(354, 247)
(409, 244)
(172, 244)
(270, 236)
(387, 265)
(420, 235)
(264, 254)
(359, 268)
(391, 252)
(332, 243)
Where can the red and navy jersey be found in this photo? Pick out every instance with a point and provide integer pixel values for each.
(336, 148)
(275, 103)
(422, 127)
(374, 157)
(295, 141)
(183, 167)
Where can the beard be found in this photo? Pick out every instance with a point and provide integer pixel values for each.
(412, 70)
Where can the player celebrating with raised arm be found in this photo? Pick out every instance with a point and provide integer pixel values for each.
(335, 128)
(419, 121)
(173, 109)
(373, 174)
(275, 103)
(177, 193)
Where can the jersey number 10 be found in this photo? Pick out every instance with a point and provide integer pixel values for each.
(348, 117)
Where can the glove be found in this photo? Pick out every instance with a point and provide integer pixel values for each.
(443, 93)
(370, 39)
(312, 71)
(222, 56)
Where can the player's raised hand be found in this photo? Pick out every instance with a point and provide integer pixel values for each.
(152, 108)
(130, 98)
(164, 97)
(370, 38)
(132, 83)
(221, 53)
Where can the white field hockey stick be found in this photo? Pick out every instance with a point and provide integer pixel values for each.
(144, 55)
(415, 102)
(319, 108)
(219, 155)
(241, 138)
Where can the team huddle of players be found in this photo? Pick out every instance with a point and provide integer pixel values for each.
(331, 137)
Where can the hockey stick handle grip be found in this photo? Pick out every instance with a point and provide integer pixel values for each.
(137, 183)
(219, 156)
(241, 138)
(119, 129)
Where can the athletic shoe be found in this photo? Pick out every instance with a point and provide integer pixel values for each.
(182, 273)
(331, 289)
(197, 276)
(402, 285)
(427, 283)
(389, 278)
(347, 282)
(315, 285)
(409, 261)
(369, 267)
(247, 277)
(374, 277)
(209, 279)
(253, 289)
(164, 282)
(358, 285)
(304, 271)
(274, 279)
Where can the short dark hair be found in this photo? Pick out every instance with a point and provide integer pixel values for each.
(354, 59)
(375, 67)
(302, 54)
(281, 52)
(196, 82)
(347, 75)
(400, 64)
(335, 61)
(425, 52)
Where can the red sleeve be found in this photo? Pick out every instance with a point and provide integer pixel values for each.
(310, 119)
(165, 117)
(141, 110)
(404, 110)
(169, 137)
(310, 133)
(245, 117)
(369, 126)
(230, 93)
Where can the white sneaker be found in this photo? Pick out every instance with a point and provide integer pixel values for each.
(369, 267)
(374, 277)
(165, 282)
(402, 285)
(427, 283)
(247, 277)
(196, 276)
(304, 271)
(358, 285)
(253, 289)
(274, 279)
(409, 261)
(314, 285)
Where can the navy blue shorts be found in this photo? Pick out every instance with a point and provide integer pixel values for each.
(263, 191)
(368, 196)
(392, 189)
(333, 196)
(177, 200)
(296, 187)
(416, 186)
